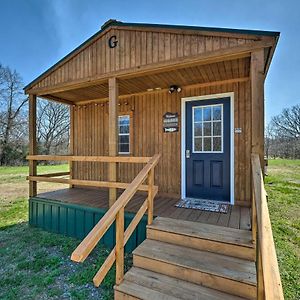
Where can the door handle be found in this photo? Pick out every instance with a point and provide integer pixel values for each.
(187, 153)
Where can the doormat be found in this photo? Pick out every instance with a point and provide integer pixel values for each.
(204, 204)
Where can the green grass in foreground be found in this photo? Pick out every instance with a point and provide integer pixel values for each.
(13, 212)
(35, 264)
(283, 188)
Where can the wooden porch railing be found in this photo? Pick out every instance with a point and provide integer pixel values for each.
(268, 277)
(115, 212)
(52, 177)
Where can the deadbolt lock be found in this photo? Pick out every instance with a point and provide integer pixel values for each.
(187, 153)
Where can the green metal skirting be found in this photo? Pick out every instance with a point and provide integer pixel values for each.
(78, 220)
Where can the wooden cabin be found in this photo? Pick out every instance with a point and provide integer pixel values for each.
(166, 144)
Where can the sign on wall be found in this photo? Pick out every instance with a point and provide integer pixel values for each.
(170, 122)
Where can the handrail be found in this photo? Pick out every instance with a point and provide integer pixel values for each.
(268, 276)
(52, 174)
(121, 159)
(111, 258)
(82, 182)
(116, 213)
(55, 177)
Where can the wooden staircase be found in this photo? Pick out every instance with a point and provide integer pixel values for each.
(189, 260)
(182, 259)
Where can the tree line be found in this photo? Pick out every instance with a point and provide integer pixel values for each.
(53, 122)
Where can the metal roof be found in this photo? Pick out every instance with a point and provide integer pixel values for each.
(112, 22)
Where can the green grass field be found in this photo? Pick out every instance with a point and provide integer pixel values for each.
(283, 188)
(36, 265)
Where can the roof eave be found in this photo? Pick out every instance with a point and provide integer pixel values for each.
(271, 54)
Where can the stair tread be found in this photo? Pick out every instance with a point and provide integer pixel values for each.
(208, 262)
(145, 284)
(204, 231)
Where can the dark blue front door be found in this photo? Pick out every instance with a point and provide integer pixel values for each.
(208, 149)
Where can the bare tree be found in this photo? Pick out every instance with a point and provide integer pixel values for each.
(283, 134)
(288, 122)
(269, 137)
(12, 118)
(53, 125)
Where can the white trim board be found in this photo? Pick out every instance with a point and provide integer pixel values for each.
(183, 125)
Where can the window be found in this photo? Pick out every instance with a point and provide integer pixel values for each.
(124, 134)
(208, 128)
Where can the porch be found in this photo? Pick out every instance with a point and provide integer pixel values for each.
(164, 206)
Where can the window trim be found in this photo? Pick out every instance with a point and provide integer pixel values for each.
(130, 114)
(211, 122)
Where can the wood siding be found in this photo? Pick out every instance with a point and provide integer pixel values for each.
(135, 48)
(91, 137)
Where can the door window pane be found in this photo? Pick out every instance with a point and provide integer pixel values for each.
(198, 129)
(198, 114)
(217, 111)
(208, 128)
(217, 144)
(198, 144)
(217, 128)
(207, 113)
(207, 144)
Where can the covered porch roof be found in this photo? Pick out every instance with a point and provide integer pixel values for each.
(151, 57)
(228, 71)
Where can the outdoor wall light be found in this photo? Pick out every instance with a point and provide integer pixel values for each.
(174, 88)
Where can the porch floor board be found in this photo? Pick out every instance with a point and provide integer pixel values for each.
(164, 206)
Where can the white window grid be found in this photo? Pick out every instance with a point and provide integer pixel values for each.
(124, 134)
(211, 122)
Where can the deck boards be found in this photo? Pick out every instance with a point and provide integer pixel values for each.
(221, 265)
(151, 285)
(164, 206)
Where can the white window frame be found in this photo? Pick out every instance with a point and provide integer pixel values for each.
(124, 134)
(211, 122)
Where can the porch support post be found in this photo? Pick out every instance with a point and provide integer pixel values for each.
(113, 135)
(71, 142)
(32, 144)
(257, 92)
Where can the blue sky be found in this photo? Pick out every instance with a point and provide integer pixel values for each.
(35, 34)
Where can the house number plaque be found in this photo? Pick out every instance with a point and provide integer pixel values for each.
(170, 122)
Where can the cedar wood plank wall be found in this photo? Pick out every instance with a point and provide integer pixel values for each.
(91, 137)
(135, 48)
